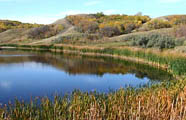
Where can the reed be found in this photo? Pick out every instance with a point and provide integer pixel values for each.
(176, 65)
(163, 102)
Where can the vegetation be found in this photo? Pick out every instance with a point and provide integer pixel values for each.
(93, 26)
(152, 40)
(164, 22)
(120, 24)
(176, 19)
(45, 31)
(73, 38)
(180, 31)
(158, 24)
(110, 31)
(6, 25)
(175, 65)
(168, 100)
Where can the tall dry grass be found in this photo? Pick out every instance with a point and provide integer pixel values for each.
(166, 101)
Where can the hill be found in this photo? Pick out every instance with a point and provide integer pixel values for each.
(7, 24)
(94, 29)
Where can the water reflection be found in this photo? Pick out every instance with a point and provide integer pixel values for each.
(26, 74)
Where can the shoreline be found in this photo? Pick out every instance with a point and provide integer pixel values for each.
(133, 59)
(138, 55)
(167, 97)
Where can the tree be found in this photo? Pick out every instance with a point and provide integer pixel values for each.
(99, 15)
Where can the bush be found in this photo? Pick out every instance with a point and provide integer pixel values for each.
(129, 28)
(180, 20)
(6, 25)
(180, 31)
(39, 32)
(110, 31)
(152, 40)
(75, 38)
(45, 31)
(158, 24)
(99, 15)
(87, 27)
(92, 23)
(92, 28)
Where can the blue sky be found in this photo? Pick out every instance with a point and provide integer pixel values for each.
(47, 11)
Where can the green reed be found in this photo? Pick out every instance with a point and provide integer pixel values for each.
(176, 65)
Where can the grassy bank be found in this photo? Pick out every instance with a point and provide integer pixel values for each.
(167, 60)
(165, 101)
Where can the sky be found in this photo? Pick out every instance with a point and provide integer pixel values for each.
(48, 11)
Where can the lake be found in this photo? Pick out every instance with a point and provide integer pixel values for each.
(24, 74)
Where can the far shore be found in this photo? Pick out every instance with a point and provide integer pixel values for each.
(7, 48)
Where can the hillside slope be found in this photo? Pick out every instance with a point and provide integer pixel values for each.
(35, 34)
(68, 29)
(87, 29)
(14, 35)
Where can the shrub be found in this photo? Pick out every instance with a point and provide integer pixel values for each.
(87, 27)
(180, 31)
(177, 19)
(129, 28)
(152, 40)
(92, 28)
(110, 31)
(45, 31)
(39, 32)
(99, 15)
(6, 25)
(158, 24)
(2, 30)
(164, 42)
(182, 20)
(123, 23)
(74, 38)
(58, 28)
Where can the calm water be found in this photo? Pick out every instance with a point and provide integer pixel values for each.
(25, 74)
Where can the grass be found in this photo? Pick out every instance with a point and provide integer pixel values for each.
(169, 102)
(176, 65)
(165, 101)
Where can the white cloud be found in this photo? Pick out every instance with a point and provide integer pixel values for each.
(170, 1)
(91, 3)
(33, 19)
(108, 12)
(44, 19)
(75, 12)
(71, 12)
(48, 19)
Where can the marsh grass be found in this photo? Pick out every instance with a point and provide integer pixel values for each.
(166, 101)
(171, 62)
